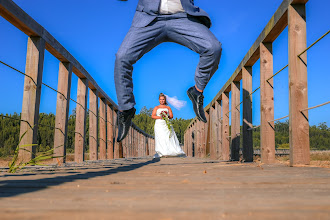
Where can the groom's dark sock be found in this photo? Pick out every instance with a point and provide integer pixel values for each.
(196, 91)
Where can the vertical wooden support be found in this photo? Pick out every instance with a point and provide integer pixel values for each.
(110, 126)
(116, 144)
(225, 127)
(219, 126)
(62, 111)
(188, 141)
(81, 114)
(147, 147)
(31, 96)
(213, 133)
(103, 129)
(93, 124)
(139, 144)
(267, 129)
(133, 142)
(247, 114)
(129, 143)
(192, 139)
(121, 149)
(198, 139)
(298, 96)
(235, 120)
(206, 136)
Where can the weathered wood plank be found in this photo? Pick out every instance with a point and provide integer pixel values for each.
(62, 111)
(31, 96)
(225, 128)
(213, 134)
(93, 124)
(110, 131)
(219, 127)
(235, 120)
(247, 114)
(103, 129)
(267, 129)
(298, 94)
(81, 114)
(116, 144)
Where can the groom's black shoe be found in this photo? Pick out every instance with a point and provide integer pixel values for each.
(197, 100)
(124, 121)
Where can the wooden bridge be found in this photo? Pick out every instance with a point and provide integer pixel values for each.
(214, 138)
(121, 180)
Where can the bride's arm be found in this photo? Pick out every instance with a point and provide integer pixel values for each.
(170, 112)
(154, 116)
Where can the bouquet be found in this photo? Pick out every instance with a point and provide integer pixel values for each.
(164, 116)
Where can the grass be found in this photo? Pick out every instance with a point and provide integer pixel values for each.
(15, 165)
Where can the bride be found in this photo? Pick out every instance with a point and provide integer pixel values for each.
(166, 144)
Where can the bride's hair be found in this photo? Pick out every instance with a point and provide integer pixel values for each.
(162, 94)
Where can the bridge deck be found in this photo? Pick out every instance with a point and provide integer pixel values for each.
(172, 188)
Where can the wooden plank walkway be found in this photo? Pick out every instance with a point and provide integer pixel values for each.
(170, 188)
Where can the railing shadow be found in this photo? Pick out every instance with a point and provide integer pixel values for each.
(10, 188)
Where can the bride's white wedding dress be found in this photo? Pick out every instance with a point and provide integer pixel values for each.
(164, 144)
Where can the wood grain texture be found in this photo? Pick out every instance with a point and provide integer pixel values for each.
(110, 130)
(298, 93)
(213, 134)
(247, 114)
(235, 120)
(103, 129)
(81, 114)
(267, 129)
(225, 129)
(31, 97)
(93, 124)
(116, 144)
(219, 128)
(62, 111)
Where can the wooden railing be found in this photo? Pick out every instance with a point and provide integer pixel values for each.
(103, 111)
(213, 138)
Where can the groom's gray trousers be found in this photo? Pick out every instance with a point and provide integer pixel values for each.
(179, 28)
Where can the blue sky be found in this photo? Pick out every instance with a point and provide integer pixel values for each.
(92, 32)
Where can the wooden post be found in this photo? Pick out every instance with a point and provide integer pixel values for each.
(267, 129)
(213, 133)
(129, 142)
(298, 96)
(121, 149)
(225, 128)
(116, 144)
(198, 139)
(206, 136)
(81, 114)
(147, 146)
(110, 126)
(190, 147)
(93, 124)
(62, 111)
(103, 129)
(31, 96)
(235, 120)
(219, 126)
(247, 114)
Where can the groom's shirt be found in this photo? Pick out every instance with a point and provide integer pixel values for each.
(170, 7)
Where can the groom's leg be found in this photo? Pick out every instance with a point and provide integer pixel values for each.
(191, 33)
(138, 41)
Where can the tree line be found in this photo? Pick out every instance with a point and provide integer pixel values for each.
(10, 129)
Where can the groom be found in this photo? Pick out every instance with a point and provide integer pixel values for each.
(155, 22)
